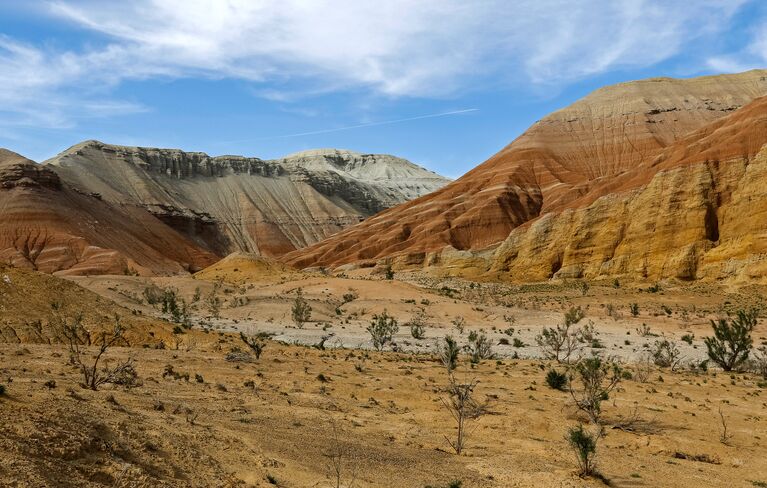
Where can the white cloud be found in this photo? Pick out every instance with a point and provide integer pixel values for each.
(393, 47)
(754, 55)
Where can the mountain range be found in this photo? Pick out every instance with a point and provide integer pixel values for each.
(651, 179)
(102, 209)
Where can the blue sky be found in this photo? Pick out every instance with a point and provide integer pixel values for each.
(444, 83)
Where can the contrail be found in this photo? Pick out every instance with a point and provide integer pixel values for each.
(359, 126)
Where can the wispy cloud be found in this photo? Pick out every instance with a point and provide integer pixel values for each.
(393, 48)
(753, 55)
(359, 126)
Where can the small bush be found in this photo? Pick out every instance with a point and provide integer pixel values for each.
(460, 401)
(257, 343)
(418, 324)
(382, 330)
(448, 353)
(597, 377)
(556, 380)
(389, 273)
(2, 390)
(418, 331)
(479, 347)
(665, 354)
(732, 342)
(634, 309)
(351, 296)
(301, 311)
(760, 362)
(584, 444)
(563, 342)
(459, 323)
(574, 315)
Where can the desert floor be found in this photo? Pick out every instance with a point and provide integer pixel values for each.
(380, 411)
(199, 419)
(674, 311)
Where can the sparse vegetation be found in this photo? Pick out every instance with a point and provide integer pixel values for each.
(666, 354)
(731, 344)
(725, 436)
(459, 323)
(418, 324)
(596, 379)
(479, 347)
(462, 405)
(760, 362)
(584, 444)
(556, 380)
(388, 273)
(583, 286)
(418, 331)
(562, 342)
(350, 296)
(256, 343)
(301, 312)
(644, 331)
(213, 301)
(78, 338)
(448, 353)
(382, 330)
(342, 462)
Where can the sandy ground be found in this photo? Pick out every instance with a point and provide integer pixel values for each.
(389, 424)
(675, 311)
(278, 420)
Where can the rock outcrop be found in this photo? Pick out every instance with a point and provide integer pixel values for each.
(48, 226)
(239, 268)
(700, 215)
(589, 190)
(232, 203)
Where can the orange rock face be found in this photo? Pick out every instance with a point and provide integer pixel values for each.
(697, 212)
(48, 226)
(611, 142)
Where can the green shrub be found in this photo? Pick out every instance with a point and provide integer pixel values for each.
(665, 354)
(301, 311)
(479, 347)
(448, 353)
(389, 273)
(597, 378)
(418, 331)
(732, 342)
(556, 380)
(382, 330)
(584, 444)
